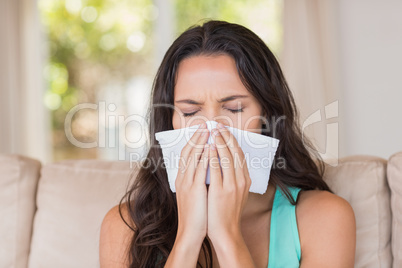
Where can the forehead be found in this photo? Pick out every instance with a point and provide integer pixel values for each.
(213, 75)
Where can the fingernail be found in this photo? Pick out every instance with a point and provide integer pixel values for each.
(220, 125)
(205, 132)
(216, 132)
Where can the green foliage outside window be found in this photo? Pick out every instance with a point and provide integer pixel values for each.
(92, 42)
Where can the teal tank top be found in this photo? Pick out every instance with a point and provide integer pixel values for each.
(284, 242)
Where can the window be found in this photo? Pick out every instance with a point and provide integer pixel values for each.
(102, 58)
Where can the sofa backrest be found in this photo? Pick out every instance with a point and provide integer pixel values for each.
(394, 174)
(64, 209)
(361, 180)
(73, 197)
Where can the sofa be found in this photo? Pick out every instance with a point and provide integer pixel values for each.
(51, 214)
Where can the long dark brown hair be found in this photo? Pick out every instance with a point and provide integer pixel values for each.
(151, 205)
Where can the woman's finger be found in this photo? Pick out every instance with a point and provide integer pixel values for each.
(189, 158)
(202, 167)
(226, 160)
(196, 154)
(239, 161)
(231, 141)
(193, 140)
(214, 168)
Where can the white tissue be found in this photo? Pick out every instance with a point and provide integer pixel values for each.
(259, 152)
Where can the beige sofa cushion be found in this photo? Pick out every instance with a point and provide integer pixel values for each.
(18, 181)
(73, 198)
(394, 173)
(361, 180)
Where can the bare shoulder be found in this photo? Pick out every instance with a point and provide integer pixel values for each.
(327, 230)
(115, 237)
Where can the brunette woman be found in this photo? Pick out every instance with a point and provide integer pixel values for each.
(224, 72)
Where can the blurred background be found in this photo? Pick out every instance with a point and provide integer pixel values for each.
(76, 75)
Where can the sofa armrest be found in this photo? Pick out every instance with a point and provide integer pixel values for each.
(19, 176)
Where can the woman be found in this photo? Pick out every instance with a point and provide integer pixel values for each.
(224, 72)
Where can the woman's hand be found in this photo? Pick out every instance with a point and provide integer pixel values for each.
(227, 195)
(191, 191)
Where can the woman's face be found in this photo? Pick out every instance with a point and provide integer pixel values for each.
(209, 88)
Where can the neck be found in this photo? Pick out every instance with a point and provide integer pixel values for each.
(258, 204)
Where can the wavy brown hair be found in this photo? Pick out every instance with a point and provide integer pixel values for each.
(151, 204)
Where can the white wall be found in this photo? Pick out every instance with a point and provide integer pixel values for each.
(370, 49)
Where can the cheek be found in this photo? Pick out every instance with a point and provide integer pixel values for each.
(253, 121)
(179, 121)
(254, 125)
(176, 120)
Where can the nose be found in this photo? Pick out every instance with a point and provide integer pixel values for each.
(214, 116)
(221, 120)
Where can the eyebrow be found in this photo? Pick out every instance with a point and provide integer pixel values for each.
(229, 98)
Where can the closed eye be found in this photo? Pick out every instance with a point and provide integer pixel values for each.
(232, 111)
(236, 111)
(190, 114)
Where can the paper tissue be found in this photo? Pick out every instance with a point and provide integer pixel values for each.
(259, 152)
